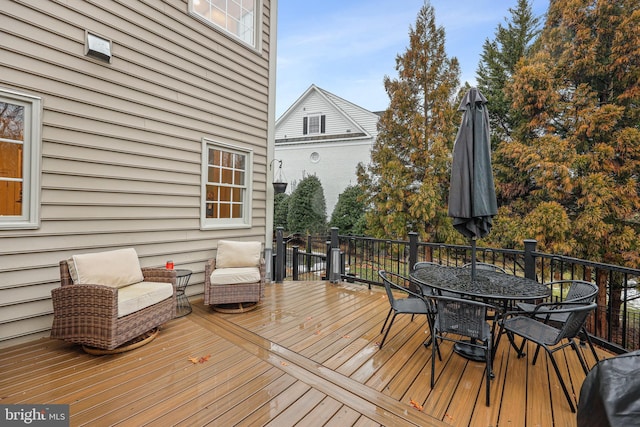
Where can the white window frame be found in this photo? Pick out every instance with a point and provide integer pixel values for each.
(253, 40)
(226, 223)
(32, 150)
(317, 117)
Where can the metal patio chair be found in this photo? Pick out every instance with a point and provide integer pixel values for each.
(413, 303)
(457, 319)
(487, 267)
(527, 326)
(576, 291)
(425, 264)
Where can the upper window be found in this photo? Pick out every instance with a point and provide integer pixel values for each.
(19, 160)
(237, 17)
(313, 124)
(226, 186)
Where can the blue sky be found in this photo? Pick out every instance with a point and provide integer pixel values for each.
(348, 46)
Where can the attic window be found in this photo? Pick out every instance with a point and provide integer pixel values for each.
(313, 124)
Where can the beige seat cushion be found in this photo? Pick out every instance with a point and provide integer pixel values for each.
(232, 254)
(227, 276)
(141, 295)
(112, 268)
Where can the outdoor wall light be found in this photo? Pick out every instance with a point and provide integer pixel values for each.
(279, 183)
(97, 47)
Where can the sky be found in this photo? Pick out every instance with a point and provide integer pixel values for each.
(347, 46)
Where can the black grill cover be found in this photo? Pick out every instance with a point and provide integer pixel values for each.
(610, 395)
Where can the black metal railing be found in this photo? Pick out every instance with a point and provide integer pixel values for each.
(615, 325)
(303, 257)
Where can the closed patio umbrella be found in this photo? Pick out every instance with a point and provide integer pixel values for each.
(472, 196)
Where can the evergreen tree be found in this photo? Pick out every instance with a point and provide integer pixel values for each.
(280, 210)
(307, 208)
(498, 64)
(406, 183)
(576, 161)
(348, 215)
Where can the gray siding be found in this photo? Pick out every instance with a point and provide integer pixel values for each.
(121, 142)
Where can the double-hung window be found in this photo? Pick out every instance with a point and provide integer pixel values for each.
(20, 123)
(236, 17)
(226, 191)
(313, 124)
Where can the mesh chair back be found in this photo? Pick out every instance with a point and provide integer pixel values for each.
(388, 285)
(487, 267)
(578, 313)
(460, 316)
(581, 291)
(576, 290)
(426, 264)
(398, 282)
(423, 264)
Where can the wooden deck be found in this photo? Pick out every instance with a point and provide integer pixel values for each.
(307, 356)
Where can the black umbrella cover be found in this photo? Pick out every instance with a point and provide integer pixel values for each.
(472, 196)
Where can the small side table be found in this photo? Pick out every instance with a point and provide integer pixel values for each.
(183, 306)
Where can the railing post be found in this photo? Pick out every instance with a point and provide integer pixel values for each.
(529, 259)
(335, 275)
(413, 249)
(334, 267)
(327, 260)
(295, 266)
(334, 237)
(281, 255)
(309, 250)
(268, 261)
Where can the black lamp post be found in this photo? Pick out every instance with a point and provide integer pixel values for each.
(279, 184)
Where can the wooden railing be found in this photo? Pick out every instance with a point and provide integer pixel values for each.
(615, 325)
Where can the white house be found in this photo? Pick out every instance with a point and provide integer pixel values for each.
(325, 135)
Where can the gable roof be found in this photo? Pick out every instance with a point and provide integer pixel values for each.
(349, 111)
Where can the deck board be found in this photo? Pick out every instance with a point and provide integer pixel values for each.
(308, 355)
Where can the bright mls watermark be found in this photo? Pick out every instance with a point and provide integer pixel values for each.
(34, 415)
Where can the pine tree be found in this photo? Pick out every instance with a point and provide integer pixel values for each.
(498, 63)
(576, 162)
(406, 183)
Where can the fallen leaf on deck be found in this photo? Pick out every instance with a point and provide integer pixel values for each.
(193, 360)
(346, 336)
(284, 363)
(416, 405)
(204, 358)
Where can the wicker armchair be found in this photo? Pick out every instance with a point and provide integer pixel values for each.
(234, 280)
(87, 314)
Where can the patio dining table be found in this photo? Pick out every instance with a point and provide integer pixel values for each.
(487, 286)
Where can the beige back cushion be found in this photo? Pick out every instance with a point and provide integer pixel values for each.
(112, 268)
(232, 254)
